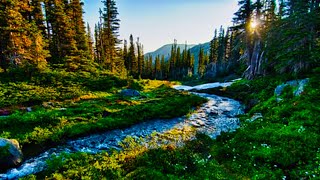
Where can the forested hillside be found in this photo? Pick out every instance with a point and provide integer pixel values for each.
(267, 37)
(166, 50)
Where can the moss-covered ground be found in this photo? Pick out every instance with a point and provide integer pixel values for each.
(283, 144)
(67, 105)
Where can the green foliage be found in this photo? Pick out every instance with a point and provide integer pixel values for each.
(137, 162)
(55, 85)
(135, 84)
(283, 143)
(62, 110)
(168, 103)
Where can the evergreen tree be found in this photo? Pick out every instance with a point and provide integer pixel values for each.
(110, 33)
(100, 54)
(248, 18)
(221, 47)
(214, 44)
(149, 68)
(22, 45)
(190, 61)
(201, 62)
(5, 36)
(227, 45)
(90, 42)
(61, 33)
(292, 41)
(270, 12)
(133, 64)
(185, 61)
(37, 15)
(75, 13)
(140, 57)
(192, 66)
(163, 66)
(125, 55)
(157, 68)
(178, 65)
(172, 60)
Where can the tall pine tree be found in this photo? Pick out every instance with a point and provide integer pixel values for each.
(110, 33)
(22, 45)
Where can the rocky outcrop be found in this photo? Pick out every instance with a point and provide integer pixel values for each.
(130, 93)
(10, 153)
(298, 84)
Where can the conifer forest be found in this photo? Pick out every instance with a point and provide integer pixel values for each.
(81, 102)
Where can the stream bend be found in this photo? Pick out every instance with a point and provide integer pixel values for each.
(217, 115)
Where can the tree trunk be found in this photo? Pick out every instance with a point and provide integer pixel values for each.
(259, 66)
(255, 58)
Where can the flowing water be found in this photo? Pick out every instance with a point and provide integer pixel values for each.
(218, 115)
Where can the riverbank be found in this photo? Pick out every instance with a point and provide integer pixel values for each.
(212, 118)
(279, 134)
(276, 140)
(54, 122)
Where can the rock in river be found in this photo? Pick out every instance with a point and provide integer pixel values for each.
(10, 153)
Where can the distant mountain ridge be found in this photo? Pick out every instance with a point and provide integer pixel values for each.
(194, 49)
(166, 50)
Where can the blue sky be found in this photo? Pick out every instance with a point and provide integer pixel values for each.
(159, 22)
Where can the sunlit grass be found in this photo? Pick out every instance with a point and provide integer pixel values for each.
(54, 122)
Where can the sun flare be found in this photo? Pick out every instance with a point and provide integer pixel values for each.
(254, 24)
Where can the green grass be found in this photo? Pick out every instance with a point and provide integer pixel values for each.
(285, 142)
(55, 86)
(282, 144)
(138, 162)
(58, 117)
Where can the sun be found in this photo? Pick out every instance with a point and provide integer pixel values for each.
(254, 24)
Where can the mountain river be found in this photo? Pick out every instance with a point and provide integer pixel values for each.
(217, 115)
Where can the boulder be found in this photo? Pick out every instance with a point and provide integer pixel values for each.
(298, 84)
(130, 93)
(10, 153)
(29, 109)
